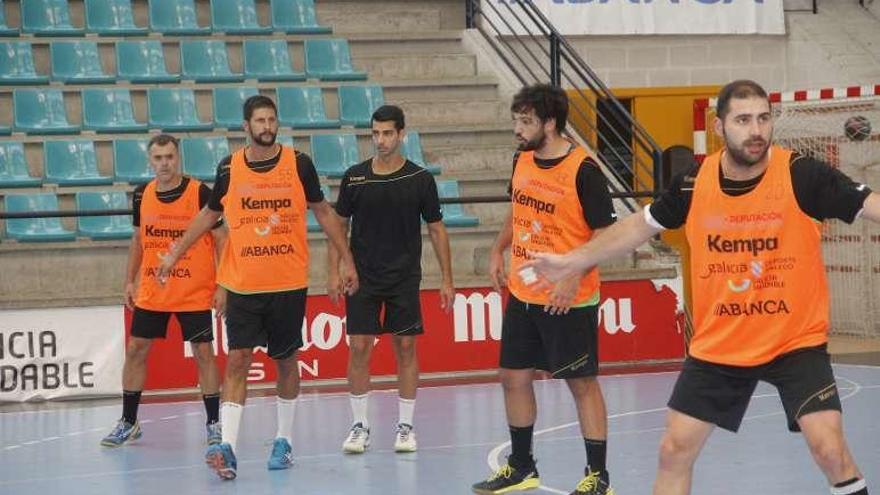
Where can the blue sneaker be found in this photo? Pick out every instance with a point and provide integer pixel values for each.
(122, 433)
(221, 458)
(215, 433)
(281, 456)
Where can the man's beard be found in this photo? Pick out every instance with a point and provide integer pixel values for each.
(533, 144)
(259, 139)
(739, 156)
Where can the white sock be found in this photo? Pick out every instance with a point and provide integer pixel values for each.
(359, 409)
(854, 486)
(405, 410)
(230, 419)
(286, 410)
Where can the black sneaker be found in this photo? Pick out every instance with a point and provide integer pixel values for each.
(593, 484)
(509, 479)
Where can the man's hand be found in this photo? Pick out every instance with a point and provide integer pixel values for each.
(563, 295)
(447, 296)
(335, 288)
(349, 275)
(130, 293)
(497, 274)
(220, 301)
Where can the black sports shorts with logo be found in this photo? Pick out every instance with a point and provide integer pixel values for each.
(720, 394)
(270, 319)
(374, 311)
(566, 345)
(196, 326)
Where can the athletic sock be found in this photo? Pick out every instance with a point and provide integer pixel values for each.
(359, 405)
(521, 446)
(286, 411)
(596, 455)
(130, 401)
(405, 410)
(854, 486)
(230, 418)
(212, 407)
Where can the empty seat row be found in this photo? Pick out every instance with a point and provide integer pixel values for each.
(202, 61)
(174, 17)
(75, 162)
(119, 226)
(42, 110)
(51, 229)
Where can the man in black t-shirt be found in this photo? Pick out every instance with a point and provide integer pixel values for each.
(387, 197)
(759, 294)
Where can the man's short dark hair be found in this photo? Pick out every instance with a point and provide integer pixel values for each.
(548, 102)
(389, 113)
(162, 140)
(739, 89)
(256, 102)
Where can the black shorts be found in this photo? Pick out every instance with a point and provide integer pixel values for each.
(566, 345)
(196, 326)
(372, 311)
(720, 394)
(272, 319)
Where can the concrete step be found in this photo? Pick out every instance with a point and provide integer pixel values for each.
(450, 112)
(383, 16)
(418, 66)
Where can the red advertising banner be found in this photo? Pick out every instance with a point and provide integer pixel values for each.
(638, 322)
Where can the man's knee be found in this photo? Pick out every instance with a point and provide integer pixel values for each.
(138, 349)
(676, 452)
(513, 380)
(238, 362)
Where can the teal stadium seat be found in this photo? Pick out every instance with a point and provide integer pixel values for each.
(13, 166)
(142, 62)
(312, 224)
(206, 61)
(17, 64)
(453, 213)
(334, 153)
(285, 140)
(130, 162)
(5, 30)
(411, 148)
(200, 156)
(78, 62)
(303, 108)
(112, 18)
(357, 104)
(103, 227)
(330, 60)
(268, 60)
(109, 110)
(228, 103)
(5, 130)
(174, 109)
(40, 111)
(175, 17)
(72, 162)
(236, 17)
(35, 229)
(296, 17)
(47, 18)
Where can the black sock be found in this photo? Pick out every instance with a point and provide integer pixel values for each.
(130, 401)
(596, 450)
(521, 446)
(212, 407)
(854, 486)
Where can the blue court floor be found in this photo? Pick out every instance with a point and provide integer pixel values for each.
(462, 435)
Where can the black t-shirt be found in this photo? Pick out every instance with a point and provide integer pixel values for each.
(305, 169)
(167, 197)
(386, 213)
(592, 190)
(821, 192)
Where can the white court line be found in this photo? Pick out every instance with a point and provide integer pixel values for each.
(494, 454)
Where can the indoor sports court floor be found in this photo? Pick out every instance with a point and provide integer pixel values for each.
(461, 432)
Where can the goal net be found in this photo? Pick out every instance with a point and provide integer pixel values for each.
(812, 123)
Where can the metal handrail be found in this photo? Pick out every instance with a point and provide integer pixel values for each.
(534, 51)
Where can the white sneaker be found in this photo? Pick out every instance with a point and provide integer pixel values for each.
(358, 440)
(405, 440)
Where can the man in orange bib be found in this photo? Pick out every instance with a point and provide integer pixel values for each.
(559, 200)
(263, 191)
(162, 210)
(752, 215)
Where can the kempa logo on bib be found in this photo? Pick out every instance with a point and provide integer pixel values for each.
(248, 203)
(522, 198)
(153, 231)
(717, 244)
